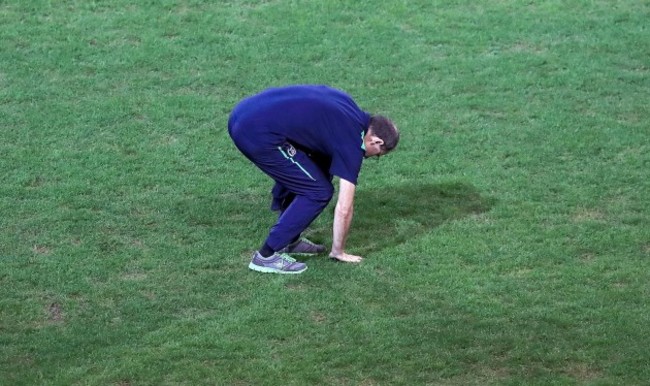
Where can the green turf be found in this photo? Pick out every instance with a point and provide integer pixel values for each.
(506, 240)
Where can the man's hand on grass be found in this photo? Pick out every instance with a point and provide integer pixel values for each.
(346, 258)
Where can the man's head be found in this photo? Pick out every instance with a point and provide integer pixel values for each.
(382, 136)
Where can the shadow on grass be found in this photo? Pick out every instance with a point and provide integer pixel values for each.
(392, 215)
(382, 217)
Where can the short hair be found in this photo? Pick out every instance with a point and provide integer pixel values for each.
(383, 128)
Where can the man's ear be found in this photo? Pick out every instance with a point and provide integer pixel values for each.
(377, 141)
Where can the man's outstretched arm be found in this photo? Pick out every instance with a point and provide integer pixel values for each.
(342, 220)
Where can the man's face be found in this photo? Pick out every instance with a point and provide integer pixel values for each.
(374, 146)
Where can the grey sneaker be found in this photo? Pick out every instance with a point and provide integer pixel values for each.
(302, 246)
(277, 263)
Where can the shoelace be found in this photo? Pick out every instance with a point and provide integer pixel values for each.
(287, 258)
(308, 242)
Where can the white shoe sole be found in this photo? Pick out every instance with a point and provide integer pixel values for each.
(258, 268)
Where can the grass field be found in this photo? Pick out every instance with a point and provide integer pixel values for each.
(506, 240)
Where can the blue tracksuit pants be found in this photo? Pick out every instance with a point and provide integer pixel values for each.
(303, 186)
